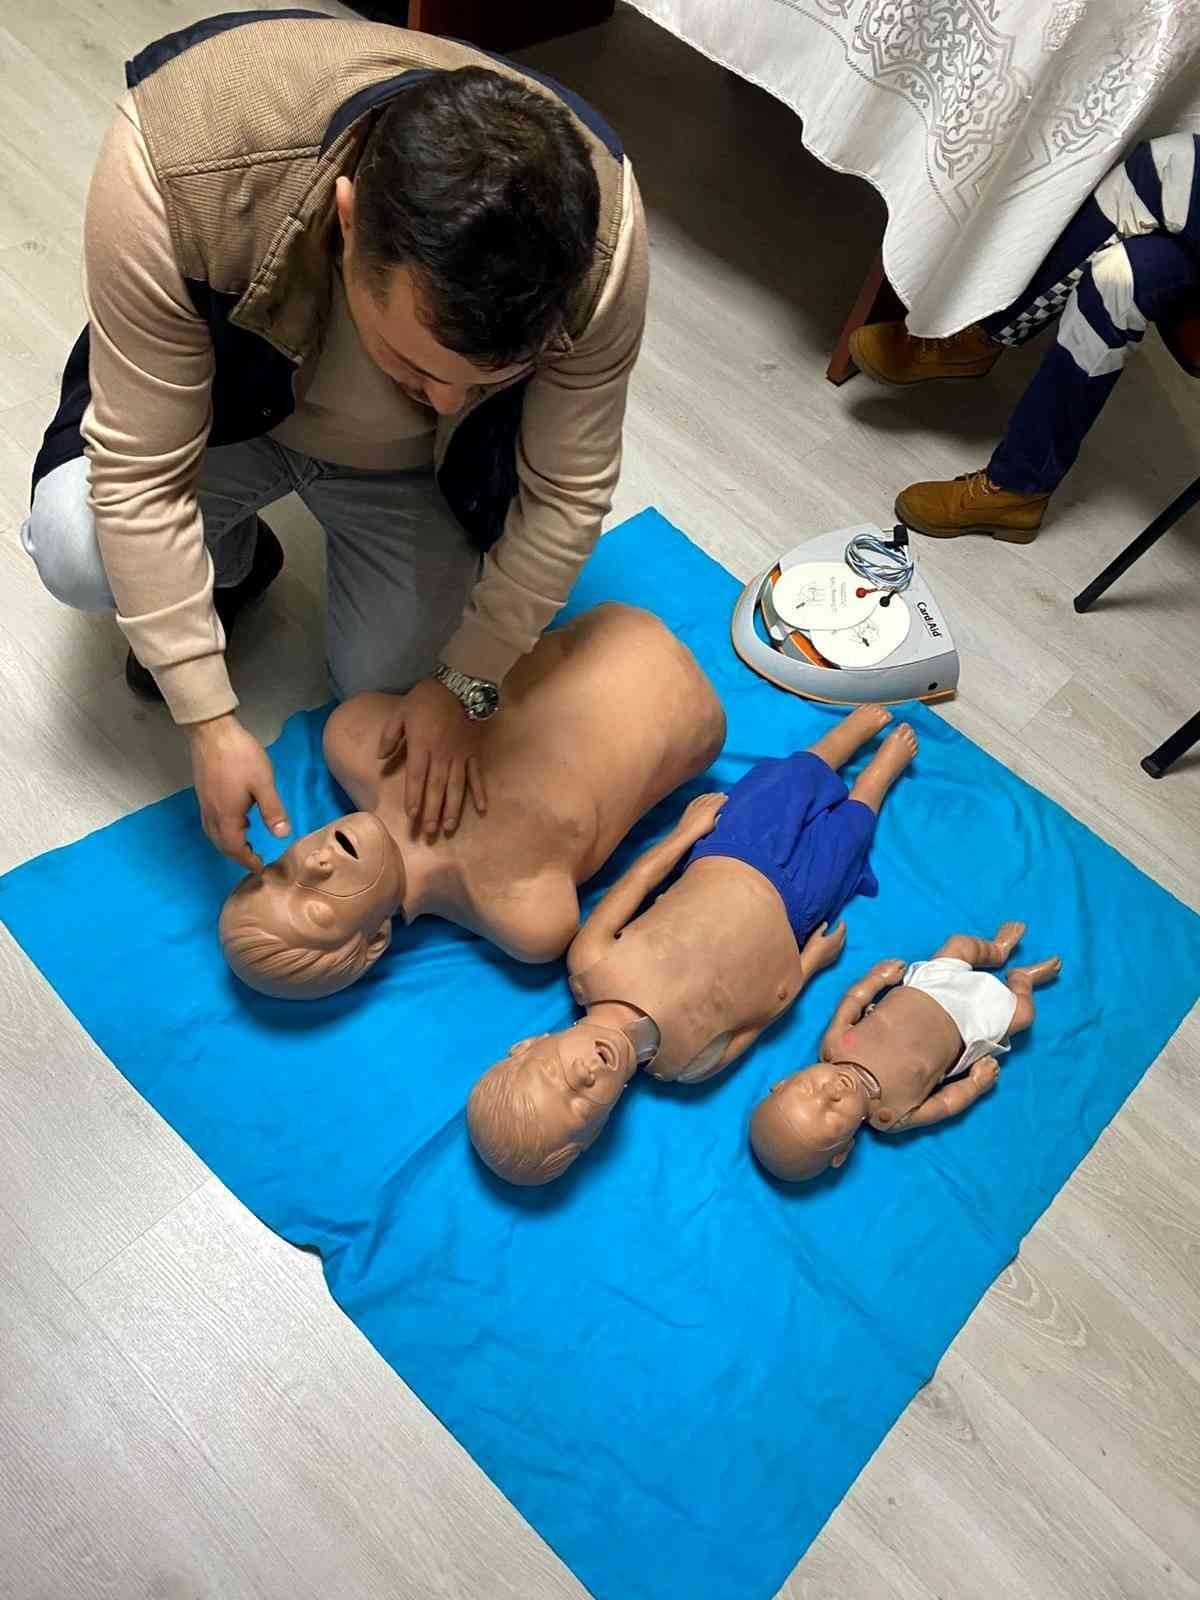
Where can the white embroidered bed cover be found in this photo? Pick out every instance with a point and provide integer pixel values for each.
(983, 123)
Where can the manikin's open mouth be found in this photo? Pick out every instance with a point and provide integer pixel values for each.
(346, 842)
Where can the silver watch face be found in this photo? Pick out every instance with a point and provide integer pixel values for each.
(482, 700)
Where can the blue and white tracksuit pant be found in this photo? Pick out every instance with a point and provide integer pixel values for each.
(1130, 255)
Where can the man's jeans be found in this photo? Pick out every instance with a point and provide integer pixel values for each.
(399, 566)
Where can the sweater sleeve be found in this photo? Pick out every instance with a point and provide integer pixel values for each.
(146, 428)
(568, 462)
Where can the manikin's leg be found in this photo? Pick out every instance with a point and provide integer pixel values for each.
(837, 746)
(1023, 981)
(885, 766)
(983, 952)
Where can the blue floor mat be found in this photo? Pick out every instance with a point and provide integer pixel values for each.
(673, 1367)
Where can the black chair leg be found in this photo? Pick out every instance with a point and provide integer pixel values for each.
(1170, 750)
(1166, 520)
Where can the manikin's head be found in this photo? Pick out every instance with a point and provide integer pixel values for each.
(808, 1121)
(320, 915)
(532, 1113)
(467, 230)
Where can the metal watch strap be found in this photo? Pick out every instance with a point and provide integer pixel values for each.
(479, 697)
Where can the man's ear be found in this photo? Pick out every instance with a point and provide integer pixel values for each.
(344, 200)
(841, 1155)
(378, 943)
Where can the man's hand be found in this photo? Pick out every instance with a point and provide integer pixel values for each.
(232, 772)
(822, 948)
(440, 745)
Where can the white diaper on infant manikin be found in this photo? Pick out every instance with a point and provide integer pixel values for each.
(980, 1006)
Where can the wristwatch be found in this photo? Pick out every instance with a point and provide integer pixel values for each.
(478, 697)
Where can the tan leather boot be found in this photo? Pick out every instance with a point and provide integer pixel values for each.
(887, 352)
(971, 504)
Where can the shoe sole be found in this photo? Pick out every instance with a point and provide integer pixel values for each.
(145, 696)
(873, 372)
(990, 530)
(257, 596)
(155, 696)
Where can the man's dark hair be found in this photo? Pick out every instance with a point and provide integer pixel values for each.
(484, 188)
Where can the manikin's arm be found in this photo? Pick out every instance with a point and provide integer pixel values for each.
(821, 950)
(622, 902)
(850, 1008)
(738, 1045)
(953, 1099)
(539, 927)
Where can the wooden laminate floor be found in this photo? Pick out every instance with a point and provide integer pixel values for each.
(183, 1412)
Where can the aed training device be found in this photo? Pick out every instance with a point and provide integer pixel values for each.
(846, 617)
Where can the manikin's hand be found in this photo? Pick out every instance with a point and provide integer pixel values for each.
(891, 971)
(232, 772)
(822, 949)
(440, 745)
(700, 816)
(983, 1073)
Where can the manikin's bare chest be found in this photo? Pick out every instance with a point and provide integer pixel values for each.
(540, 815)
(909, 1043)
(568, 769)
(713, 955)
(573, 792)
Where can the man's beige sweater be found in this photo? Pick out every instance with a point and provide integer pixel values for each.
(146, 429)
